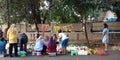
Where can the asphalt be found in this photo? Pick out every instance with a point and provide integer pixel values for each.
(111, 55)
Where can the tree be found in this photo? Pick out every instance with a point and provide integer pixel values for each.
(61, 11)
(34, 13)
(18, 11)
(85, 8)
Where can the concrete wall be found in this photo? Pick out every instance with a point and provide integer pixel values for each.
(77, 36)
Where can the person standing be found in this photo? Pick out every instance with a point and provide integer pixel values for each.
(23, 42)
(105, 39)
(12, 35)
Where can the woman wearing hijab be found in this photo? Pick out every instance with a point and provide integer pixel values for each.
(51, 47)
(12, 35)
(40, 45)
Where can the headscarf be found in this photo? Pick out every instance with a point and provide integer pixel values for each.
(51, 45)
(39, 39)
(39, 44)
(12, 27)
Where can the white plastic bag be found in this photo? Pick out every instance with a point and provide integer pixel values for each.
(7, 46)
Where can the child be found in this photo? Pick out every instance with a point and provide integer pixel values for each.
(51, 47)
(105, 39)
(2, 47)
(40, 46)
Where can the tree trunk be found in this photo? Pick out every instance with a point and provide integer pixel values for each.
(8, 15)
(86, 34)
(8, 20)
(34, 15)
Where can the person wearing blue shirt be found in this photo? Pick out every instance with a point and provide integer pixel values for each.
(23, 42)
(2, 46)
(105, 39)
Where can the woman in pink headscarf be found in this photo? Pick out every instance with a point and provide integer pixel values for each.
(40, 45)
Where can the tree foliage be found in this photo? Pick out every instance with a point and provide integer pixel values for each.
(61, 11)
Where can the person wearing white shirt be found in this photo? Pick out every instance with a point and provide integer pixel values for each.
(64, 41)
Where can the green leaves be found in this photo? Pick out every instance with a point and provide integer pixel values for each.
(59, 10)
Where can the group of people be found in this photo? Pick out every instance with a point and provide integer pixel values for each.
(50, 46)
(41, 46)
(14, 40)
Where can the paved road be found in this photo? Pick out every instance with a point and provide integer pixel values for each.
(111, 55)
